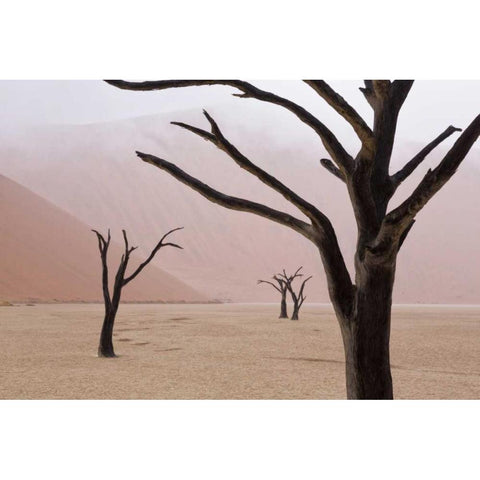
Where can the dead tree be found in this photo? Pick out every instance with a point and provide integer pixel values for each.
(282, 289)
(297, 298)
(362, 306)
(105, 347)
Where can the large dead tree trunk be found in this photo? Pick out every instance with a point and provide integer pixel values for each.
(363, 308)
(112, 302)
(366, 335)
(282, 289)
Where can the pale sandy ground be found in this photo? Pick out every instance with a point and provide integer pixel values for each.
(230, 351)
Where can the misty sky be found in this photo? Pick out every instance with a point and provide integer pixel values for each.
(430, 108)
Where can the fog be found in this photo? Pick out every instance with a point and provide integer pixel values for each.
(429, 109)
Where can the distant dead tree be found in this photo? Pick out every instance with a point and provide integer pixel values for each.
(297, 298)
(362, 307)
(282, 289)
(105, 347)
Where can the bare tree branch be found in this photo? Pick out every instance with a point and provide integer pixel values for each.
(403, 173)
(269, 283)
(301, 297)
(102, 243)
(218, 139)
(291, 278)
(368, 92)
(435, 179)
(404, 234)
(328, 164)
(159, 245)
(103, 247)
(375, 90)
(280, 281)
(233, 203)
(128, 250)
(400, 218)
(400, 90)
(341, 106)
(331, 143)
(372, 185)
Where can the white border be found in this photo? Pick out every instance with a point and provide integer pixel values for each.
(341, 39)
(262, 40)
(239, 440)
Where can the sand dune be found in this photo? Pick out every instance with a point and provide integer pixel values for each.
(92, 172)
(48, 255)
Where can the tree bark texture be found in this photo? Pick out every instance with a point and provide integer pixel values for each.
(366, 335)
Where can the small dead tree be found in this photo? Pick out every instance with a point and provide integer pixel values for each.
(363, 304)
(297, 298)
(105, 347)
(282, 289)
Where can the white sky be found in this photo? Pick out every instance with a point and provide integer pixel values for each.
(430, 108)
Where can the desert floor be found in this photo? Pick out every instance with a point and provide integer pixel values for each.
(230, 351)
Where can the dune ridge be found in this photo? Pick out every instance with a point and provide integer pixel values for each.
(47, 255)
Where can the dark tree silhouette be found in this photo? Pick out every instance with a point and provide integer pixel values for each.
(362, 307)
(297, 298)
(282, 289)
(105, 347)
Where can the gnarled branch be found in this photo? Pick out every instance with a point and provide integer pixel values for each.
(401, 217)
(291, 278)
(219, 140)
(372, 184)
(341, 106)
(227, 201)
(403, 173)
(328, 164)
(331, 143)
(269, 283)
(368, 92)
(159, 245)
(399, 91)
(103, 247)
(300, 296)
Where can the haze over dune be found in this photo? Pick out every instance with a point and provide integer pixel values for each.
(48, 255)
(92, 172)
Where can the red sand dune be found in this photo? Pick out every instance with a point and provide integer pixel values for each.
(92, 172)
(46, 254)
